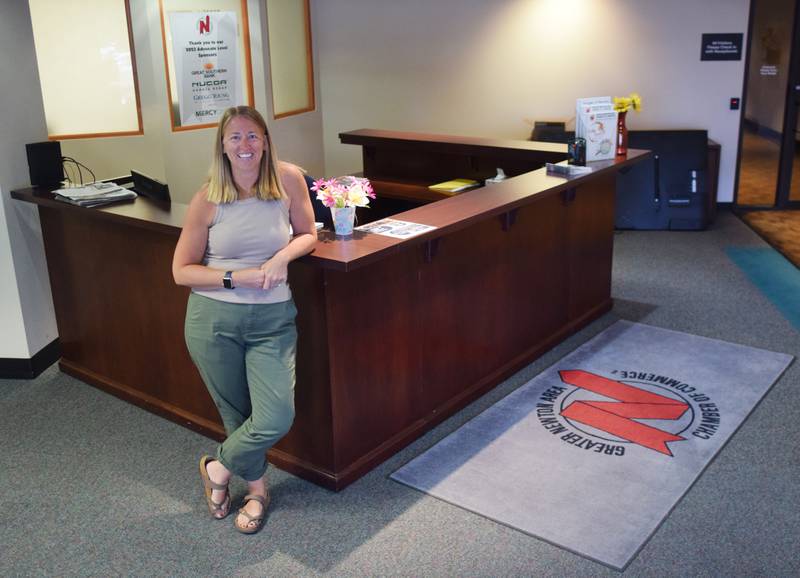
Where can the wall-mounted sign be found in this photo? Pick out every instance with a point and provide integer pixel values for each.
(722, 47)
(207, 59)
(204, 50)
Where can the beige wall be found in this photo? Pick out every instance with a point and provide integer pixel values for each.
(298, 138)
(474, 67)
(469, 67)
(182, 158)
(481, 68)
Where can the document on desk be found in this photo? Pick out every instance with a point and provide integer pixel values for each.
(94, 194)
(396, 229)
(86, 191)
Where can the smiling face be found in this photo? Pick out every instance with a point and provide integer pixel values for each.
(244, 143)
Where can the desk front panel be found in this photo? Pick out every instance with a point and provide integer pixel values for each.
(120, 315)
(419, 334)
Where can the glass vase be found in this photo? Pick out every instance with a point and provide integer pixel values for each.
(622, 134)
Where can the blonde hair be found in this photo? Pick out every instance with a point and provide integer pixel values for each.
(221, 187)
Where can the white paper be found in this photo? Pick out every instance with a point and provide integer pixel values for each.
(396, 229)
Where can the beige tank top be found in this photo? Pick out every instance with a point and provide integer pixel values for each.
(245, 234)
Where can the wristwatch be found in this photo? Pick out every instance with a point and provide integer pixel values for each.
(227, 280)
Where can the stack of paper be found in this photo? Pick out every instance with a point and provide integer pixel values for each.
(565, 170)
(596, 121)
(94, 195)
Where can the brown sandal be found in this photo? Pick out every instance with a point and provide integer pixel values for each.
(258, 519)
(221, 509)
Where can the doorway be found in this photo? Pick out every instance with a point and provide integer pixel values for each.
(769, 153)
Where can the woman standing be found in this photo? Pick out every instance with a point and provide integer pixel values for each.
(233, 252)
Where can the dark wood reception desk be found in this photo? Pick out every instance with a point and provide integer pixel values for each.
(394, 335)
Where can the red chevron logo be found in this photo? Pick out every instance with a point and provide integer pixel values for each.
(617, 417)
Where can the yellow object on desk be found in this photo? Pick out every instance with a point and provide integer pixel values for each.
(454, 186)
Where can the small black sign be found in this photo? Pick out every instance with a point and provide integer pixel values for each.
(722, 47)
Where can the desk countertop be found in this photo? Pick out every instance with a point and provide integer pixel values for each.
(346, 254)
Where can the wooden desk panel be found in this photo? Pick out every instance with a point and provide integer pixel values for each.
(120, 316)
(375, 355)
(589, 242)
(486, 300)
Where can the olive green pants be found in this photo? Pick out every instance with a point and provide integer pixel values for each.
(246, 356)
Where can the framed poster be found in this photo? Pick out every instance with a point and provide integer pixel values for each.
(206, 59)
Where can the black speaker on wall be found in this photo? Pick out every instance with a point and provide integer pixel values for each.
(44, 163)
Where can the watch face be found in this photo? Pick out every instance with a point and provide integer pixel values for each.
(227, 281)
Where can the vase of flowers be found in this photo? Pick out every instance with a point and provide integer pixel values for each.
(622, 104)
(342, 195)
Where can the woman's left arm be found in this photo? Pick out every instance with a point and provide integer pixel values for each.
(301, 216)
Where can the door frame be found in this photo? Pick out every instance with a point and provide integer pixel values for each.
(791, 111)
(789, 142)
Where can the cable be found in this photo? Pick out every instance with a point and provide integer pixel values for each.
(67, 171)
(65, 160)
(79, 165)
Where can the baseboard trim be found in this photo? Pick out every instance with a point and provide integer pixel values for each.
(15, 368)
(763, 131)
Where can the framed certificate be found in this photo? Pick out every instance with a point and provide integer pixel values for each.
(206, 59)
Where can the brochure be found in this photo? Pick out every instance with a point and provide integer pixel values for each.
(596, 122)
(396, 229)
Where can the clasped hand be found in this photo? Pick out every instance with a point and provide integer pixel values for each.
(271, 274)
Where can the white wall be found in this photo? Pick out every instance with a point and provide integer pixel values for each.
(182, 158)
(27, 321)
(487, 68)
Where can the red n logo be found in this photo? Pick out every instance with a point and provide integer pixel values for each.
(616, 417)
(205, 25)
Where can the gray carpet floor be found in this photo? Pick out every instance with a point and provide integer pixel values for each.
(92, 486)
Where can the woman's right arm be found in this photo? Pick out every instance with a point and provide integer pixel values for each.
(187, 267)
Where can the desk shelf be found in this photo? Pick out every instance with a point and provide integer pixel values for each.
(408, 190)
(401, 165)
